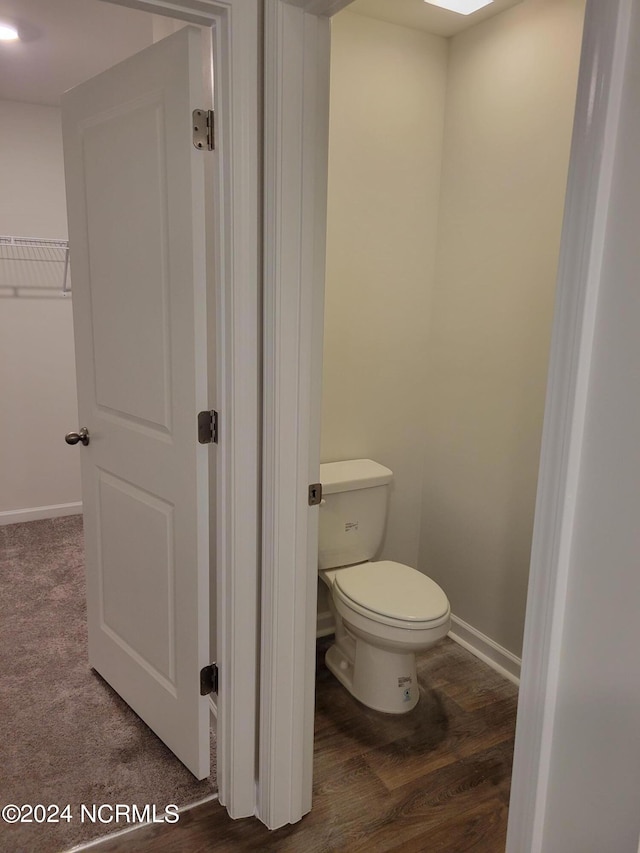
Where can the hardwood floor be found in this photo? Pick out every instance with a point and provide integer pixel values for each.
(436, 779)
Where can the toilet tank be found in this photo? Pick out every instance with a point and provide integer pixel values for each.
(353, 511)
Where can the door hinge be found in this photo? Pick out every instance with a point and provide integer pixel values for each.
(209, 679)
(208, 427)
(315, 494)
(203, 129)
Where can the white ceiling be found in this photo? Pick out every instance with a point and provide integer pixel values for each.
(422, 16)
(65, 43)
(69, 41)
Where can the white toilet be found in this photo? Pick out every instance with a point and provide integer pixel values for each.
(384, 612)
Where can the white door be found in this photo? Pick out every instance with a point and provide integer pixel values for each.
(135, 193)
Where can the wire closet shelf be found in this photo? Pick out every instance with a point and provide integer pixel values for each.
(34, 267)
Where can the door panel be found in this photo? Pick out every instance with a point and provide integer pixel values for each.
(135, 192)
(133, 210)
(136, 528)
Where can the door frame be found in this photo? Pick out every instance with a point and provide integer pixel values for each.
(236, 30)
(589, 187)
(296, 111)
(296, 83)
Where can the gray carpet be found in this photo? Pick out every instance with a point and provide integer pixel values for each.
(65, 735)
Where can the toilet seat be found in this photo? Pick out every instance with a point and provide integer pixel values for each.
(393, 594)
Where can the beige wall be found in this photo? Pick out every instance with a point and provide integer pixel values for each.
(438, 370)
(37, 369)
(386, 124)
(510, 103)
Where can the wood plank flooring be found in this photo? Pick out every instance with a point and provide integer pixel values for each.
(436, 779)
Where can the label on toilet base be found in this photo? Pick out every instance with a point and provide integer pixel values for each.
(404, 683)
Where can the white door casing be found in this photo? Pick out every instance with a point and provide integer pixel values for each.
(296, 140)
(135, 194)
(565, 455)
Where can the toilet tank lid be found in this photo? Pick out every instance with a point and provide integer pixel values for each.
(353, 474)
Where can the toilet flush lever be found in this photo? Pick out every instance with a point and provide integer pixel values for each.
(315, 494)
(74, 437)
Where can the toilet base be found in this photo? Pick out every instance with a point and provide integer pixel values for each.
(383, 680)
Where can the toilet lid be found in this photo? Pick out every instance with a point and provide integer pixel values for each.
(393, 590)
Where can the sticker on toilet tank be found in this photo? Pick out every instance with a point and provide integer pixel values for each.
(350, 526)
(404, 679)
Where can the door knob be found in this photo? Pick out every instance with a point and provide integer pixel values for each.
(75, 437)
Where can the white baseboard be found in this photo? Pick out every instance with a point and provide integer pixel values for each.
(483, 647)
(16, 516)
(324, 625)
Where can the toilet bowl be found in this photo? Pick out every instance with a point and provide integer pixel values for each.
(384, 612)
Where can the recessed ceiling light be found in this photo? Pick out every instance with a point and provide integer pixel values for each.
(8, 33)
(462, 7)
